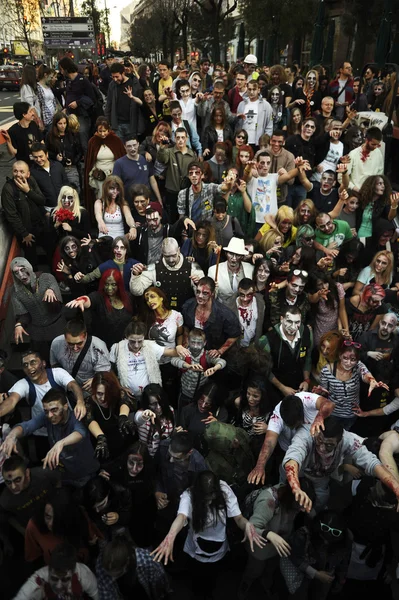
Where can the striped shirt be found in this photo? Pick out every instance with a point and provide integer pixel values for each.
(344, 394)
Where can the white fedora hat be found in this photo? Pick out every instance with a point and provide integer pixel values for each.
(236, 246)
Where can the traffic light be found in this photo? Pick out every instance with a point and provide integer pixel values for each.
(4, 51)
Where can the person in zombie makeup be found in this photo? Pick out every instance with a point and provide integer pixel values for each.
(292, 295)
(308, 98)
(176, 275)
(120, 260)
(249, 308)
(197, 201)
(108, 409)
(366, 159)
(134, 472)
(301, 145)
(318, 458)
(110, 306)
(76, 345)
(321, 568)
(220, 325)
(352, 139)
(280, 113)
(77, 258)
(64, 578)
(289, 344)
(232, 270)
(79, 225)
(37, 304)
(341, 89)
(147, 247)
(288, 416)
(365, 310)
(112, 212)
(137, 360)
(196, 367)
(70, 446)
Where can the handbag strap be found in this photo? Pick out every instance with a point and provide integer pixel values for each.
(81, 357)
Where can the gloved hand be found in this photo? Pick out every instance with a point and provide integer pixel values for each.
(101, 450)
(126, 426)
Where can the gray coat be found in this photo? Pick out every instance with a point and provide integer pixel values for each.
(265, 118)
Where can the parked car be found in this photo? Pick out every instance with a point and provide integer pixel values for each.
(10, 78)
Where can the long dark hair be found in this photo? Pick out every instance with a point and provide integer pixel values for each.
(206, 484)
(146, 314)
(212, 118)
(332, 298)
(69, 522)
(154, 389)
(258, 382)
(64, 256)
(28, 77)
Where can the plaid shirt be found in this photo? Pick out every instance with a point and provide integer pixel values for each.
(47, 114)
(150, 574)
(208, 194)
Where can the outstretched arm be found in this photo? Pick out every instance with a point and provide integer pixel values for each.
(257, 475)
(165, 549)
(292, 470)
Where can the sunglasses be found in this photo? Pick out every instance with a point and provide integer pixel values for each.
(350, 343)
(299, 272)
(328, 529)
(309, 239)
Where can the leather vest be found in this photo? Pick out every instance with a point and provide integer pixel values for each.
(175, 284)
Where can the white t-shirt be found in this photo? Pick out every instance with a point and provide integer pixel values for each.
(220, 135)
(277, 424)
(138, 376)
(331, 160)
(263, 192)
(215, 532)
(251, 120)
(164, 332)
(21, 388)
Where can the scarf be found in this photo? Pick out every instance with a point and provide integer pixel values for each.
(152, 366)
(308, 106)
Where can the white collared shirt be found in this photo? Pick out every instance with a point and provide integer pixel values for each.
(284, 337)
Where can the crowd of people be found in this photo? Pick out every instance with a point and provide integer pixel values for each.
(206, 325)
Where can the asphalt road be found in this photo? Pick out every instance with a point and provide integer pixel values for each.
(7, 99)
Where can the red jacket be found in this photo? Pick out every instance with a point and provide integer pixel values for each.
(333, 90)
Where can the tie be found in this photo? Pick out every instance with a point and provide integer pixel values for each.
(235, 282)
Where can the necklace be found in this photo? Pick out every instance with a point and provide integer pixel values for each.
(104, 417)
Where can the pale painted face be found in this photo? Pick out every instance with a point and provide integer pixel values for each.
(23, 274)
(120, 251)
(135, 343)
(113, 191)
(68, 201)
(196, 345)
(71, 249)
(387, 326)
(254, 396)
(245, 297)
(291, 324)
(135, 464)
(348, 360)
(100, 395)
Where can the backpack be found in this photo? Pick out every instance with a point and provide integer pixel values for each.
(32, 390)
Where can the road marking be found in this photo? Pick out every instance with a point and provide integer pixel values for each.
(6, 109)
(8, 120)
(6, 98)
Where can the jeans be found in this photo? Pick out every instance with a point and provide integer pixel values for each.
(124, 132)
(296, 193)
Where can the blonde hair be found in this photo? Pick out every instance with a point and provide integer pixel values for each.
(316, 87)
(268, 240)
(313, 210)
(284, 212)
(73, 123)
(66, 189)
(386, 275)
